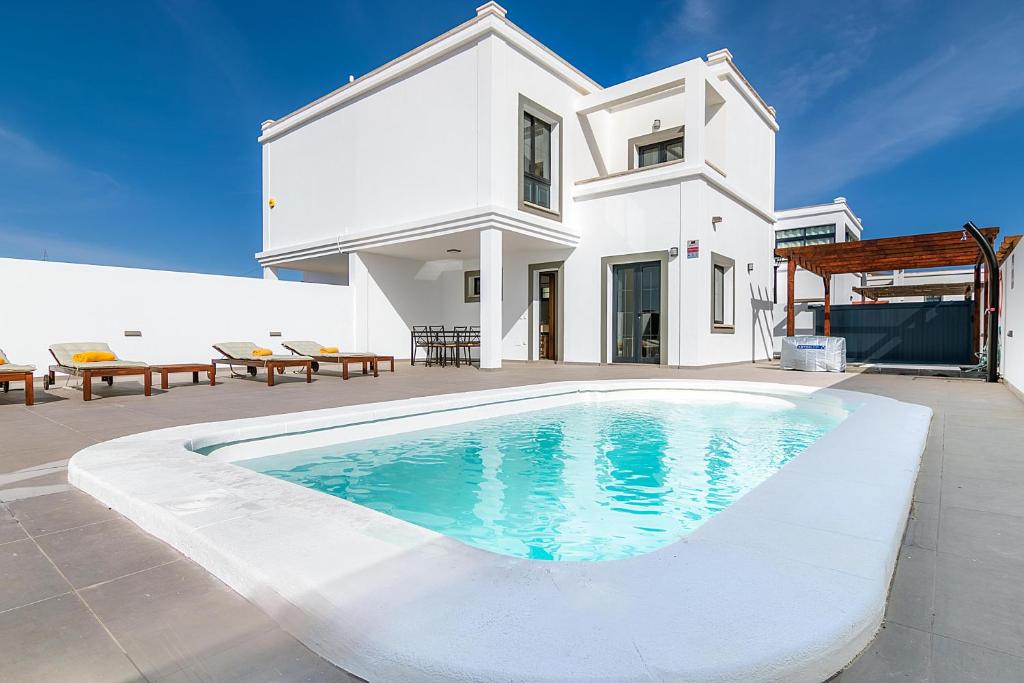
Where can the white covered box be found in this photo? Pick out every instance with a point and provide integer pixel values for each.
(816, 354)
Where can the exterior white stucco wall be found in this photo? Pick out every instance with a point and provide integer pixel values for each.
(180, 315)
(1011, 324)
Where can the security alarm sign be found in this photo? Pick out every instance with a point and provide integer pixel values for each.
(692, 248)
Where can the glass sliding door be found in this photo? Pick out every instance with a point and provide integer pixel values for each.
(636, 313)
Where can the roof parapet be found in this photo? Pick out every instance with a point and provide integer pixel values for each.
(491, 8)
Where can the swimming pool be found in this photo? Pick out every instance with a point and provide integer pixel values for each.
(785, 582)
(595, 480)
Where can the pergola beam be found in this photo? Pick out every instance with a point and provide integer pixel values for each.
(936, 289)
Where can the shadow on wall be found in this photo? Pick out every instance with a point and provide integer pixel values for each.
(761, 310)
(780, 326)
(395, 300)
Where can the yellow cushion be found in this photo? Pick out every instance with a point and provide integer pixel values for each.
(328, 349)
(3, 361)
(93, 357)
(262, 352)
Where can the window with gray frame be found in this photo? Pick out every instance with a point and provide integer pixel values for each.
(536, 161)
(803, 237)
(723, 294)
(851, 236)
(719, 295)
(659, 152)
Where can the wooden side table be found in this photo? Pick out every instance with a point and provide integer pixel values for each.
(195, 368)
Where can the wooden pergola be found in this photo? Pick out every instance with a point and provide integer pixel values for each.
(936, 289)
(932, 250)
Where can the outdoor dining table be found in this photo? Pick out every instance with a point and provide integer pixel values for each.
(436, 340)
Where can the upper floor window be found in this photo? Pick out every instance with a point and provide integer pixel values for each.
(536, 161)
(851, 236)
(803, 237)
(659, 152)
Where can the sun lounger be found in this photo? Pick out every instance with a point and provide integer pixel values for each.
(315, 351)
(241, 353)
(64, 354)
(9, 372)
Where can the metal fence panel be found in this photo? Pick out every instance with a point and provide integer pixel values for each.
(932, 332)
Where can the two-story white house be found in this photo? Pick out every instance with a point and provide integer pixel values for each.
(480, 179)
(804, 226)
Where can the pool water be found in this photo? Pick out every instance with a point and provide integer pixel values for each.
(591, 481)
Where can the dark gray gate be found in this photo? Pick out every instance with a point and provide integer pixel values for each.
(934, 332)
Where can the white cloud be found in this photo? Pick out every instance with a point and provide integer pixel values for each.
(697, 16)
(967, 84)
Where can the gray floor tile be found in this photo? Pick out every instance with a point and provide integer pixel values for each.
(928, 487)
(922, 526)
(26, 576)
(980, 602)
(59, 511)
(990, 495)
(58, 640)
(105, 550)
(175, 614)
(911, 598)
(897, 653)
(956, 662)
(268, 657)
(981, 535)
(10, 529)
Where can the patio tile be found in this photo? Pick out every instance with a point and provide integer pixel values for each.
(980, 602)
(928, 487)
(27, 576)
(922, 526)
(59, 511)
(989, 495)
(981, 535)
(10, 530)
(911, 598)
(897, 653)
(985, 464)
(954, 661)
(174, 616)
(103, 551)
(58, 640)
(271, 656)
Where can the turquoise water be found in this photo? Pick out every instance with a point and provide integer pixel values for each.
(593, 481)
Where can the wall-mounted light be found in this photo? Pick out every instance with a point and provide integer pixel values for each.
(133, 333)
(271, 202)
(673, 252)
(453, 251)
(750, 267)
(275, 334)
(715, 220)
(656, 125)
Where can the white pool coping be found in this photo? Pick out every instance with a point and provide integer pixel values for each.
(787, 584)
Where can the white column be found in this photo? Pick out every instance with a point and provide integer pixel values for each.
(270, 273)
(490, 299)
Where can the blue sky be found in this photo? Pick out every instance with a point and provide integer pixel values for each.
(128, 129)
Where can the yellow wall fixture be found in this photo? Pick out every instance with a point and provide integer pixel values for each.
(271, 202)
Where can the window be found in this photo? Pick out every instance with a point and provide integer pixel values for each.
(472, 286)
(802, 237)
(659, 152)
(719, 281)
(933, 298)
(723, 280)
(536, 161)
(851, 236)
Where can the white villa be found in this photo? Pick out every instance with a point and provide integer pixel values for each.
(803, 226)
(482, 179)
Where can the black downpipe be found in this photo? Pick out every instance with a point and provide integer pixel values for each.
(993, 299)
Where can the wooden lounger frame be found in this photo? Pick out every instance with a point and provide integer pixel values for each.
(106, 374)
(25, 376)
(270, 365)
(370, 359)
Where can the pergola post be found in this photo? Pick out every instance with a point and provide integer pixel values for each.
(827, 279)
(790, 284)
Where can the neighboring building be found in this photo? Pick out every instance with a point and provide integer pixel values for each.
(964, 276)
(482, 179)
(804, 226)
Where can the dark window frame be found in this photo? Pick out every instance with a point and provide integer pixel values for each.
(801, 239)
(530, 155)
(661, 147)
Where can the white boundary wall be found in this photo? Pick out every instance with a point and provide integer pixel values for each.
(179, 314)
(1012, 347)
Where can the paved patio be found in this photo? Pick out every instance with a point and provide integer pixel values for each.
(88, 597)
